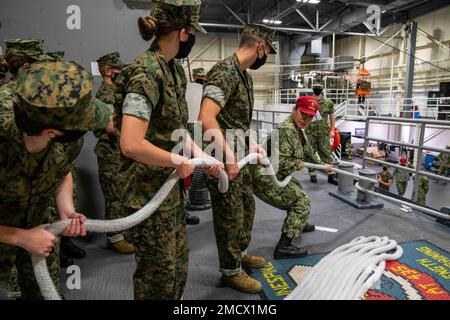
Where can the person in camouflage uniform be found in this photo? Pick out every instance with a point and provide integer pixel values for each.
(199, 75)
(401, 178)
(385, 179)
(228, 102)
(444, 164)
(293, 149)
(18, 52)
(3, 70)
(108, 154)
(37, 148)
(150, 105)
(424, 185)
(320, 132)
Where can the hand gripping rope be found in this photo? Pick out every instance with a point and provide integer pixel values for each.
(48, 289)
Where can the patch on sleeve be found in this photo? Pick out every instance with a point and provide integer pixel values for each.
(137, 105)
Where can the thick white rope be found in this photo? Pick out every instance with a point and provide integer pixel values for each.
(48, 289)
(348, 271)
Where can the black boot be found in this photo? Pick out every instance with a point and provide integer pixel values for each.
(192, 220)
(285, 249)
(314, 179)
(332, 178)
(309, 228)
(69, 249)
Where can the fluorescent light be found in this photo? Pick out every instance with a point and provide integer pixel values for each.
(309, 1)
(266, 20)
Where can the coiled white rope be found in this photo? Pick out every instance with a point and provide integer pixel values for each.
(348, 271)
(48, 289)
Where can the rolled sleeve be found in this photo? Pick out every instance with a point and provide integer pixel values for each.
(216, 94)
(138, 106)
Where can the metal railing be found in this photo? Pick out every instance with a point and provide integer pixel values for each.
(419, 147)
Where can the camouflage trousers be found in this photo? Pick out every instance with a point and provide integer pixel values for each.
(233, 215)
(401, 188)
(443, 169)
(162, 255)
(113, 192)
(421, 197)
(292, 198)
(321, 145)
(26, 281)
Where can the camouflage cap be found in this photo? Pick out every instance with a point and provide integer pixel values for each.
(57, 55)
(57, 94)
(179, 11)
(30, 48)
(199, 72)
(112, 60)
(263, 32)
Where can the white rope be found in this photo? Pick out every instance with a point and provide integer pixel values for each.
(348, 271)
(48, 289)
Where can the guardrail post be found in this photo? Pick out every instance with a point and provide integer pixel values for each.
(345, 182)
(362, 196)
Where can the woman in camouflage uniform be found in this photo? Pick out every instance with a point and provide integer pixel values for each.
(153, 92)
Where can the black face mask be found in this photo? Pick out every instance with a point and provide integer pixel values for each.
(70, 136)
(259, 62)
(317, 92)
(186, 47)
(200, 81)
(385, 168)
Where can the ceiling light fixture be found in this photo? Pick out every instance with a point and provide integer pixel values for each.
(271, 21)
(309, 1)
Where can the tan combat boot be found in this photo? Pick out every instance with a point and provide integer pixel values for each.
(252, 262)
(122, 247)
(242, 282)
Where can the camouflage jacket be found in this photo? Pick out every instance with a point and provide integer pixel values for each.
(154, 90)
(108, 145)
(29, 181)
(424, 184)
(401, 175)
(8, 98)
(322, 126)
(385, 176)
(294, 148)
(232, 89)
(444, 159)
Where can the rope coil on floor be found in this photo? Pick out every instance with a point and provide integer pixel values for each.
(349, 271)
(46, 285)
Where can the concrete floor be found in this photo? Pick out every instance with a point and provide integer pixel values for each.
(106, 275)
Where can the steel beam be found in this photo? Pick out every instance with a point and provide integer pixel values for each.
(233, 13)
(409, 82)
(306, 19)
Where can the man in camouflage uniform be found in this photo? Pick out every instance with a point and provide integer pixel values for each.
(108, 154)
(38, 146)
(320, 132)
(401, 178)
(18, 53)
(424, 185)
(444, 164)
(199, 75)
(385, 179)
(228, 105)
(293, 149)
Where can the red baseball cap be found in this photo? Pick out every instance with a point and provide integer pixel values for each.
(308, 105)
(403, 160)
